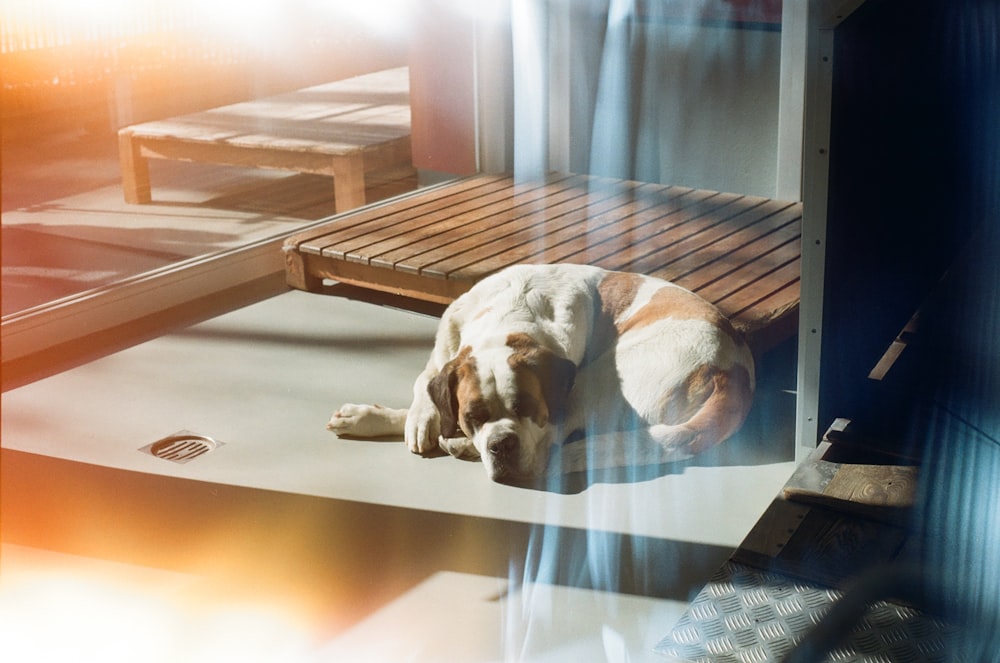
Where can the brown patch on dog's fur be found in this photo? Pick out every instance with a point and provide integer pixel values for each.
(684, 402)
(679, 304)
(726, 407)
(616, 291)
(530, 401)
(544, 379)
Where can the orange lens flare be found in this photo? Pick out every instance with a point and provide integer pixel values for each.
(127, 614)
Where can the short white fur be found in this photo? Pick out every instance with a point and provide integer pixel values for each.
(557, 306)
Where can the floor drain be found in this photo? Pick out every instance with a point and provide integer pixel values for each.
(182, 447)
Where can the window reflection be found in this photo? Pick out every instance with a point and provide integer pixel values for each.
(76, 73)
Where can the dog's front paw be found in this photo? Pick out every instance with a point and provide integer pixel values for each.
(459, 447)
(422, 428)
(366, 421)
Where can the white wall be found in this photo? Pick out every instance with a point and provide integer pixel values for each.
(709, 109)
(658, 100)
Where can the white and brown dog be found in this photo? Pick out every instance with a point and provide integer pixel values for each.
(594, 368)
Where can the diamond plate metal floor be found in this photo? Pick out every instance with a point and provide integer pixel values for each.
(832, 565)
(745, 615)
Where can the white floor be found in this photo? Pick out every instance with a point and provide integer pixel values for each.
(426, 533)
(91, 238)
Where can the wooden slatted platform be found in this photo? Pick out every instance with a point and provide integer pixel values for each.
(347, 129)
(740, 252)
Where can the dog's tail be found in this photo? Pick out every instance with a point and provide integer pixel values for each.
(721, 415)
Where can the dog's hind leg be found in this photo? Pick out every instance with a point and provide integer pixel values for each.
(720, 415)
(367, 421)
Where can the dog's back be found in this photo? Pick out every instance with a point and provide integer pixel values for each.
(665, 370)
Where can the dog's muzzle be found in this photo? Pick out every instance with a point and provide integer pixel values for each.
(504, 453)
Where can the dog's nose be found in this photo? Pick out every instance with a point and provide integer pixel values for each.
(502, 446)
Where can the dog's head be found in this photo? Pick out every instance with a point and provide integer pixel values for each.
(509, 399)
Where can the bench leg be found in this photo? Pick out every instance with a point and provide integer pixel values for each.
(348, 182)
(135, 170)
(298, 274)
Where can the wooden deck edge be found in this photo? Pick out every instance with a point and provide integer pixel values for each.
(392, 153)
(307, 272)
(767, 332)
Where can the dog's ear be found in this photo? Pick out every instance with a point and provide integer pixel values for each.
(556, 375)
(443, 391)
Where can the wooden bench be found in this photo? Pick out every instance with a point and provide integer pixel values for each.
(740, 252)
(346, 129)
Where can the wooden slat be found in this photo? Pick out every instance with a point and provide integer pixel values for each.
(491, 219)
(820, 545)
(227, 154)
(700, 258)
(350, 238)
(641, 256)
(346, 133)
(601, 236)
(705, 235)
(331, 118)
(740, 252)
(506, 229)
(521, 242)
(881, 492)
(329, 238)
(737, 269)
(782, 299)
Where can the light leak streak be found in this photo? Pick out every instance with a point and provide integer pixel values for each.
(530, 97)
(611, 149)
(252, 22)
(595, 559)
(63, 616)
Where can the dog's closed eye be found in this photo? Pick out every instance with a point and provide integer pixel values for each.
(476, 414)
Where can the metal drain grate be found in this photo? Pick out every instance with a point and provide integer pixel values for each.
(182, 447)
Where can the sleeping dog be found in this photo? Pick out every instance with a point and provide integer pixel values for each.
(550, 369)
